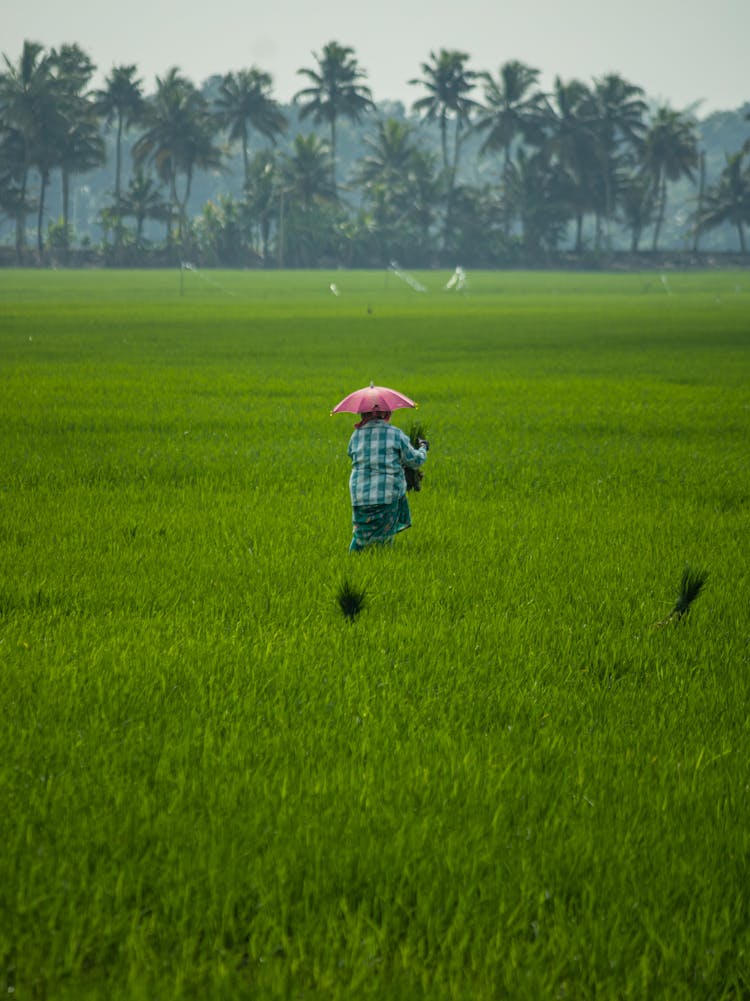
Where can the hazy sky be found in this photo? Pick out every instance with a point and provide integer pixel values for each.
(680, 51)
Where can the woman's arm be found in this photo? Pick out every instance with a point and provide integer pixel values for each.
(410, 456)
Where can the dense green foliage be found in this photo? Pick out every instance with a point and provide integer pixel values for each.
(488, 170)
(499, 780)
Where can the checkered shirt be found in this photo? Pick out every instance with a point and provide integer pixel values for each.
(379, 451)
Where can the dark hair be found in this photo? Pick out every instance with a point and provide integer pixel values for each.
(373, 415)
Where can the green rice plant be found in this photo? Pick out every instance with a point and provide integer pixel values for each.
(351, 599)
(691, 585)
(417, 432)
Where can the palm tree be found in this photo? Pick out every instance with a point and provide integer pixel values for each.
(245, 100)
(535, 192)
(222, 231)
(80, 147)
(306, 199)
(43, 100)
(513, 108)
(142, 200)
(620, 109)
(261, 188)
(388, 175)
(180, 137)
(570, 141)
(448, 84)
(73, 68)
(336, 89)
(11, 160)
(307, 172)
(729, 200)
(477, 232)
(28, 106)
(617, 110)
(391, 152)
(670, 151)
(121, 102)
(637, 203)
(82, 150)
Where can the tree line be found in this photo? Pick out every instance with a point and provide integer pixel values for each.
(582, 166)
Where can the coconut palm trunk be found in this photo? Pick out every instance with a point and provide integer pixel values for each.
(701, 196)
(118, 158)
(65, 207)
(40, 215)
(662, 203)
(21, 219)
(333, 157)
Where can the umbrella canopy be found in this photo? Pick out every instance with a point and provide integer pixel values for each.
(372, 398)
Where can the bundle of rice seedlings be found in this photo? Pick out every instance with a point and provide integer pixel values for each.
(351, 599)
(691, 585)
(414, 477)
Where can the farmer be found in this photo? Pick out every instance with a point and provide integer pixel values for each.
(379, 451)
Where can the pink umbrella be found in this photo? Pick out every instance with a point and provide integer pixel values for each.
(372, 398)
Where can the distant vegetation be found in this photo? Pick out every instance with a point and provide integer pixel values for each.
(486, 169)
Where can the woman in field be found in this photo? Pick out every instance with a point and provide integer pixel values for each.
(379, 451)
